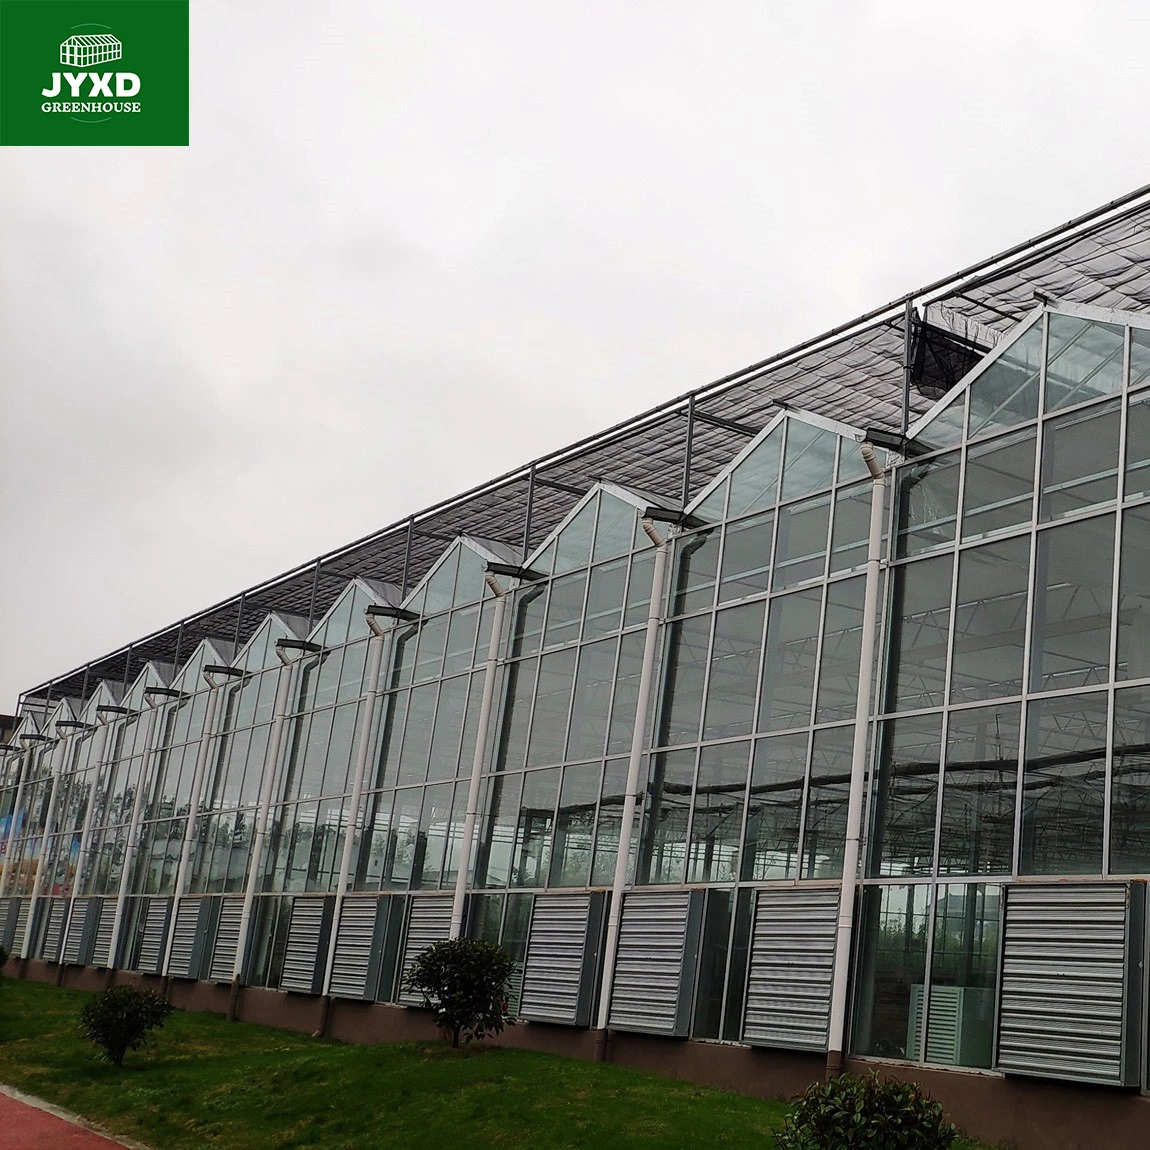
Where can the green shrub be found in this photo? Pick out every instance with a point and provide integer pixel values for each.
(850, 1113)
(118, 1020)
(465, 981)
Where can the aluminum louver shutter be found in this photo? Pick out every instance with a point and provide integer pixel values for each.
(21, 926)
(77, 932)
(305, 940)
(654, 965)
(557, 984)
(53, 932)
(155, 935)
(791, 968)
(354, 942)
(227, 941)
(428, 921)
(101, 955)
(1070, 991)
(184, 932)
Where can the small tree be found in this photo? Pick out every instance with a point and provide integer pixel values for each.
(466, 982)
(119, 1019)
(849, 1113)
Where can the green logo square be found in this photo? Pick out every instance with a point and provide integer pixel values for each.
(83, 72)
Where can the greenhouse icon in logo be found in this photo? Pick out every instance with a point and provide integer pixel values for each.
(84, 51)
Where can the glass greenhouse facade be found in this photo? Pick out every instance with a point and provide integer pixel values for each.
(304, 812)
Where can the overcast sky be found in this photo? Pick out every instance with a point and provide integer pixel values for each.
(413, 245)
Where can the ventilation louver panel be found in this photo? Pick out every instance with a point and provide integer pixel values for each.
(1070, 999)
(355, 947)
(54, 929)
(655, 963)
(22, 911)
(101, 951)
(154, 936)
(428, 921)
(791, 968)
(222, 968)
(305, 952)
(9, 909)
(78, 933)
(185, 930)
(559, 969)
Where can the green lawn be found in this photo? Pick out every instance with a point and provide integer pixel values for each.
(203, 1081)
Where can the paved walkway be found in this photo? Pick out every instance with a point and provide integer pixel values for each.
(26, 1123)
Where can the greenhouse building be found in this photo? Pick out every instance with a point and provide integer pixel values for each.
(878, 606)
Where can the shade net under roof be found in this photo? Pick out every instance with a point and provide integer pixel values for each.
(855, 374)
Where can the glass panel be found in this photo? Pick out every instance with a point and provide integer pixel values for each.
(531, 602)
(810, 461)
(665, 837)
(1006, 393)
(842, 651)
(448, 729)
(755, 481)
(775, 807)
(730, 708)
(717, 825)
(461, 640)
(429, 653)
(746, 557)
(519, 687)
(1134, 596)
(1072, 605)
(980, 781)
(1138, 446)
(944, 429)
(594, 686)
(801, 545)
(639, 588)
(1083, 360)
(615, 528)
(439, 592)
(565, 609)
(1130, 787)
(470, 586)
(990, 621)
(712, 968)
(927, 504)
(906, 796)
(851, 531)
(431, 847)
(1139, 357)
(536, 818)
(1063, 785)
(695, 572)
(626, 693)
(573, 545)
(683, 686)
(417, 733)
(826, 823)
(893, 968)
(403, 839)
(1080, 461)
(713, 508)
(852, 466)
(494, 863)
(608, 823)
(963, 975)
(999, 491)
(605, 599)
(921, 621)
(575, 825)
(552, 702)
(789, 666)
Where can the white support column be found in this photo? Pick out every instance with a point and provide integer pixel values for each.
(203, 753)
(59, 756)
(270, 772)
(489, 675)
(845, 935)
(634, 765)
(375, 664)
(17, 808)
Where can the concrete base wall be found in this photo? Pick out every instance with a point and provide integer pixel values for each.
(1025, 1114)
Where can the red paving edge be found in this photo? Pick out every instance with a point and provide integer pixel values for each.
(27, 1123)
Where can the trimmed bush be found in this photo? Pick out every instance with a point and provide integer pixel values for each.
(465, 981)
(850, 1113)
(119, 1020)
